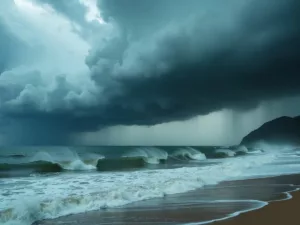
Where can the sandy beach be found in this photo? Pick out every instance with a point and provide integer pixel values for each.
(276, 213)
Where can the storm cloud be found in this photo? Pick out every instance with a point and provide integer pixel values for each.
(160, 61)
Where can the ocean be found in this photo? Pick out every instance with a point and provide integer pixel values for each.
(127, 185)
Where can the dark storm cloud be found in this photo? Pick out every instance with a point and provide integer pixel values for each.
(171, 60)
(233, 56)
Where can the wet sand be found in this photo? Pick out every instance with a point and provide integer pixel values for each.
(205, 204)
(276, 213)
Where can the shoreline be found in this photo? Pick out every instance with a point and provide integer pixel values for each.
(279, 212)
(234, 218)
(219, 212)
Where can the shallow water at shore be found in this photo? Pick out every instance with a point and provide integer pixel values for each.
(206, 204)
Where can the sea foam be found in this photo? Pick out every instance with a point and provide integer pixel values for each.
(54, 196)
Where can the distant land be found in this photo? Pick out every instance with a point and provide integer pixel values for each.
(283, 130)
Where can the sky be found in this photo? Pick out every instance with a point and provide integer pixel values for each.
(151, 72)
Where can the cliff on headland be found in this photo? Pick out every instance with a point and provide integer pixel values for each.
(280, 131)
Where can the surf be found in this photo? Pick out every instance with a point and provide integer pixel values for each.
(150, 155)
(189, 153)
(71, 193)
(44, 162)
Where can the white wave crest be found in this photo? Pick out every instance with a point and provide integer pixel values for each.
(242, 148)
(189, 153)
(227, 152)
(72, 162)
(256, 151)
(77, 165)
(92, 158)
(151, 155)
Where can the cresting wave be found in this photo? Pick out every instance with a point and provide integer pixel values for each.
(189, 154)
(44, 162)
(224, 153)
(151, 155)
(70, 193)
(47, 167)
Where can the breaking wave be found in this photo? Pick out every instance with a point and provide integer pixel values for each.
(189, 154)
(47, 162)
(224, 153)
(77, 165)
(150, 155)
(47, 167)
(43, 162)
(256, 151)
(241, 150)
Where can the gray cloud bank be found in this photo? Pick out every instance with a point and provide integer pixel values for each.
(167, 60)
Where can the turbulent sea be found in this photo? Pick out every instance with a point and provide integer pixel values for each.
(38, 183)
